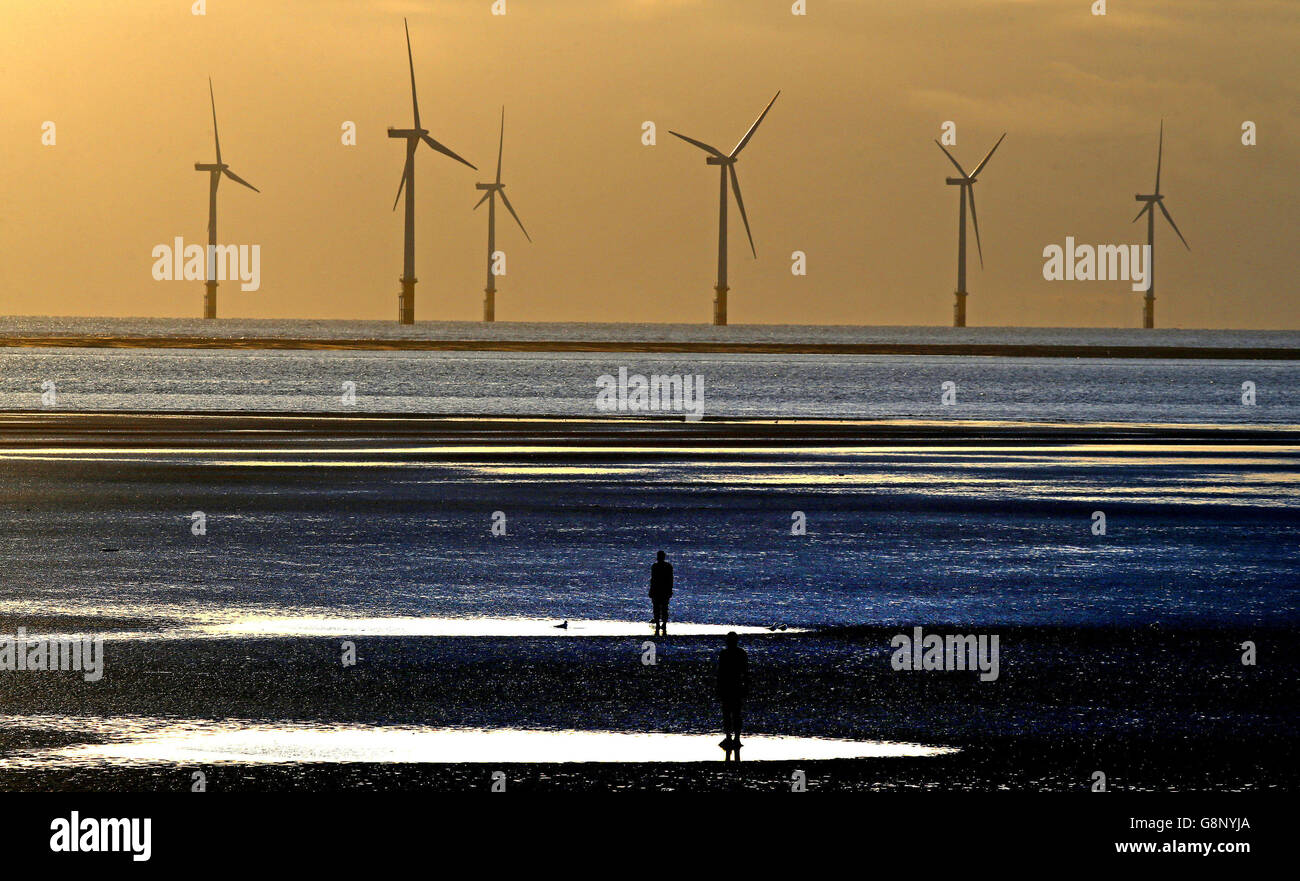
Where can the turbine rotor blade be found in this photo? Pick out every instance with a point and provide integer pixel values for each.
(951, 159)
(980, 167)
(415, 105)
(1169, 217)
(445, 151)
(975, 221)
(410, 159)
(740, 203)
(484, 199)
(506, 200)
(501, 143)
(753, 128)
(1143, 211)
(703, 146)
(239, 180)
(215, 136)
(1160, 155)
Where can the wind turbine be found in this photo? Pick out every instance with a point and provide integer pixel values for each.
(413, 136)
(215, 170)
(493, 189)
(727, 168)
(967, 184)
(1155, 199)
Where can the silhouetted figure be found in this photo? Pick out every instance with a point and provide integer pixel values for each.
(733, 685)
(661, 588)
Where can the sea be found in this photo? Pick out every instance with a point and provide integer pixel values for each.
(567, 383)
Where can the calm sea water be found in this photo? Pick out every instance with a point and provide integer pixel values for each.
(842, 386)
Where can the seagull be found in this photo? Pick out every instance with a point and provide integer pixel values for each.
(564, 626)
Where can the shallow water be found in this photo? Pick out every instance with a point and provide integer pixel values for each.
(992, 534)
(202, 742)
(279, 626)
(566, 384)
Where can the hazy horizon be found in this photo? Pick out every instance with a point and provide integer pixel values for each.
(238, 320)
(844, 168)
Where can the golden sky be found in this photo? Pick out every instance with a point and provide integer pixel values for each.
(843, 168)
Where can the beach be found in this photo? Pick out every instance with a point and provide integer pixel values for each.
(1163, 711)
(1120, 653)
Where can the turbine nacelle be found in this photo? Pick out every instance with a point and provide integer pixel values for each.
(497, 187)
(1156, 198)
(720, 160)
(958, 181)
(407, 132)
(210, 166)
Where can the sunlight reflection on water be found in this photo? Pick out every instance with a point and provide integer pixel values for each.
(146, 741)
(250, 623)
(277, 626)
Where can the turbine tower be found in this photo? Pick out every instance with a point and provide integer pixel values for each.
(727, 168)
(967, 184)
(215, 170)
(1155, 199)
(413, 136)
(493, 190)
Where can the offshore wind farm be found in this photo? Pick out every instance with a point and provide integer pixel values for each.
(843, 185)
(729, 186)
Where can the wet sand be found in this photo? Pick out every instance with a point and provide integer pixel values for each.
(1156, 710)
